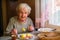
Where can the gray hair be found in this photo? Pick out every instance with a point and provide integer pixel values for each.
(22, 5)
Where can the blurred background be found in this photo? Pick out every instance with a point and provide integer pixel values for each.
(1, 19)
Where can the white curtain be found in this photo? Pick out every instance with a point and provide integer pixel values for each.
(55, 15)
(45, 11)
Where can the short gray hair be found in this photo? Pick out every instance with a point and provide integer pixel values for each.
(22, 5)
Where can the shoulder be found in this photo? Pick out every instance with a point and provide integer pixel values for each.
(29, 19)
(13, 18)
(30, 22)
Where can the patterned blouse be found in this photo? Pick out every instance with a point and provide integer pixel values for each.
(18, 25)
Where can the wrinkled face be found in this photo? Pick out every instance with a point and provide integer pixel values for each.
(23, 14)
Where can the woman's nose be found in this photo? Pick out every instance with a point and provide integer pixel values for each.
(23, 15)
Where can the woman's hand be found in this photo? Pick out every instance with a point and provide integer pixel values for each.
(13, 31)
(30, 28)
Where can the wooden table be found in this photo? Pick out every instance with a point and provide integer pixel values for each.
(9, 38)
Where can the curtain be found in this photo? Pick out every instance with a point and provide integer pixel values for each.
(45, 11)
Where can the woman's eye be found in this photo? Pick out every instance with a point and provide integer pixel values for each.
(20, 12)
(25, 12)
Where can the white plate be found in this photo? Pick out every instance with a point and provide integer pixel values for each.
(45, 29)
(27, 39)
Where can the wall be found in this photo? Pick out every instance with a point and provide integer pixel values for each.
(1, 19)
(4, 14)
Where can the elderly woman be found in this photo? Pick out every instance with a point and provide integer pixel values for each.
(21, 22)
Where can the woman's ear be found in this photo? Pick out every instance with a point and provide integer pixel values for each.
(28, 13)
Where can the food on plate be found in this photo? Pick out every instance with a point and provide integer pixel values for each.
(22, 36)
(29, 35)
(26, 36)
(13, 37)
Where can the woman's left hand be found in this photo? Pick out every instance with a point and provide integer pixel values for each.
(30, 28)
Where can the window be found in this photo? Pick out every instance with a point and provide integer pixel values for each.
(48, 10)
(54, 17)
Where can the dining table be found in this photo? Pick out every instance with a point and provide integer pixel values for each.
(35, 33)
(9, 37)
